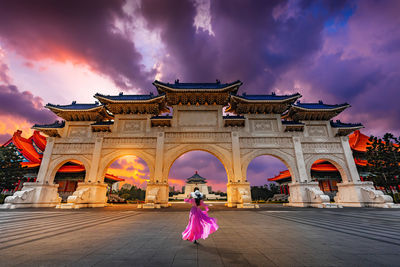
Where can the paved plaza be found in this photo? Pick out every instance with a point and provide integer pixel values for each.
(270, 236)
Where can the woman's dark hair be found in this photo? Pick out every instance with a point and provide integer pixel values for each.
(198, 198)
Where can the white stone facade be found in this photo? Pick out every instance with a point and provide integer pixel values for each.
(197, 128)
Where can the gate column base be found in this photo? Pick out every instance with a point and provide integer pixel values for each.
(156, 195)
(87, 195)
(308, 195)
(239, 195)
(363, 194)
(33, 195)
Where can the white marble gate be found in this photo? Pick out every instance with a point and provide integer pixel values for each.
(260, 125)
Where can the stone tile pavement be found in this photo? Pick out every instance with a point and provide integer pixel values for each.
(269, 236)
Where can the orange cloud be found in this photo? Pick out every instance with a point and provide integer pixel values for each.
(9, 124)
(132, 169)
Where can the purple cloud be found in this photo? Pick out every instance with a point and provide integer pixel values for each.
(23, 105)
(4, 138)
(82, 32)
(4, 77)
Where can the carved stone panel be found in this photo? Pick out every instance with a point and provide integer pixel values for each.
(281, 142)
(78, 131)
(197, 118)
(129, 126)
(263, 125)
(195, 137)
(322, 148)
(73, 149)
(134, 142)
(319, 130)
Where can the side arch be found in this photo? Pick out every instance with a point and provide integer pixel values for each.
(107, 160)
(59, 162)
(173, 154)
(285, 158)
(336, 161)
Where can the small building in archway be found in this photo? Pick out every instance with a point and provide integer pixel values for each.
(201, 183)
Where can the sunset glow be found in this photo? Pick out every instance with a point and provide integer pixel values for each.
(338, 51)
(131, 168)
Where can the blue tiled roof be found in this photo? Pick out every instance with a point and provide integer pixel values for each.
(103, 123)
(56, 124)
(196, 177)
(161, 117)
(291, 123)
(123, 97)
(233, 117)
(339, 124)
(178, 85)
(268, 97)
(319, 105)
(74, 106)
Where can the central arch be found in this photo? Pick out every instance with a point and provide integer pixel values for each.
(221, 154)
(188, 172)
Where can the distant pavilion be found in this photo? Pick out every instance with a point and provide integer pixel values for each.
(201, 183)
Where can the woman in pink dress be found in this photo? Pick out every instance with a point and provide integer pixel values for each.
(200, 225)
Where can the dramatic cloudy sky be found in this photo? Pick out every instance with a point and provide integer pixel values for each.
(336, 51)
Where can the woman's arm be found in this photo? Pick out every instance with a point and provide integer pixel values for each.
(204, 205)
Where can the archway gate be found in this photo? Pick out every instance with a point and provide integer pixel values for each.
(297, 133)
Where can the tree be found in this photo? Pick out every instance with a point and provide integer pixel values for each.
(264, 192)
(383, 156)
(10, 167)
(134, 193)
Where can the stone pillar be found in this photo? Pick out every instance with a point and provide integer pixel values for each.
(238, 190)
(44, 165)
(237, 171)
(157, 191)
(301, 165)
(158, 168)
(304, 192)
(349, 159)
(42, 193)
(94, 166)
(354, 193)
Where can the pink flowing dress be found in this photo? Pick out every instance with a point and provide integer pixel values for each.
(200, 225)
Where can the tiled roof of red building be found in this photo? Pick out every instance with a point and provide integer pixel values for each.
(358, 141)
(25, 147)
(39, 140)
